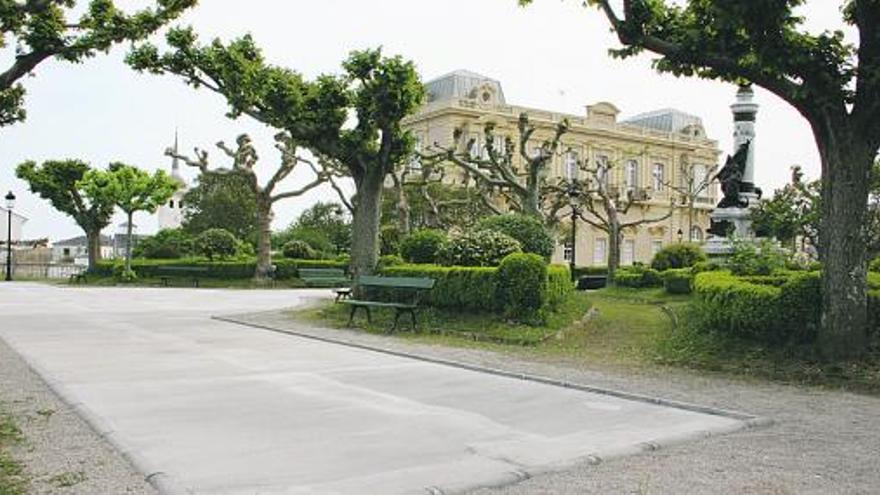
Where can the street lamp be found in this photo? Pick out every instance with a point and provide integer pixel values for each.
(10, 204)
(680, 235)
(575, 212)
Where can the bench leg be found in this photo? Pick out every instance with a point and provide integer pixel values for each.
(196, 283)
(396, 317)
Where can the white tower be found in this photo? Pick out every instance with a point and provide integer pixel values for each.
(171, 213)
(745, 113)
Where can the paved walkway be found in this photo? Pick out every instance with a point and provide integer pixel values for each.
(213, 407)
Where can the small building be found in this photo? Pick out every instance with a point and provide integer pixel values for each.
(76, 249)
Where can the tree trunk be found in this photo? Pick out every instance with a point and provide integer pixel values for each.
(613, 251)
(93, 241)
(365, 223)
(264, 239)
(846, 167)
(128, 242)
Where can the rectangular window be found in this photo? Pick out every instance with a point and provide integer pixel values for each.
(600, 247)
(602, 169)
(567, 252)
(474, 147)
(628, 256)
(415, 162)
(656, 246)
(700, 177)
(658, 177)
(571, 165)
(631, 175)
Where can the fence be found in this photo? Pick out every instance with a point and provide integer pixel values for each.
(42, 270)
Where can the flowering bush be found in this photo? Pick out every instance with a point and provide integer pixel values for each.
(482, 248)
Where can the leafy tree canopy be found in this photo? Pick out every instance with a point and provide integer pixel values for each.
(221, 201)
(40, 29)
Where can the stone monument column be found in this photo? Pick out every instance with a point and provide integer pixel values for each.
(745, 112)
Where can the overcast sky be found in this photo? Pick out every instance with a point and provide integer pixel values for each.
(551, 55)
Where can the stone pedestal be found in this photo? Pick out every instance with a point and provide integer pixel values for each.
(738, 220)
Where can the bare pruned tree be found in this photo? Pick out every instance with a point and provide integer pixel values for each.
(693, 180)
(244, 159)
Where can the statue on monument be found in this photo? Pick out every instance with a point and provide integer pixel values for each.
(731, 178)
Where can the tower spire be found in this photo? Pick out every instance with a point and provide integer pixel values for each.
(175, 165)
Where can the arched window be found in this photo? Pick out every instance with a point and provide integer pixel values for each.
(171, 204)
(696, 234)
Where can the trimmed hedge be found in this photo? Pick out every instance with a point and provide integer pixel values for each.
(476, 289)
(582, 271)
(286, 268)
(637, 277)
(522, 286)
(681, 255)
(775, 309)
(678, 280)
(422, 246)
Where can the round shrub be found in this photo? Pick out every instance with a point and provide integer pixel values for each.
(389, 260)
(529, 231)
(751, 259)
(166, 244)
(637, 277)
(422, 245)
(481, 248)
(875, 265)
(522, 287)
(682, 255)
(299, 250)
(217, 243)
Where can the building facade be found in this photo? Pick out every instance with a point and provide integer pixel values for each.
(649, 155)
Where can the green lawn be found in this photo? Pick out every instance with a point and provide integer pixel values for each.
(623, 328)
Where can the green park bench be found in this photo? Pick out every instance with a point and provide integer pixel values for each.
(407, 290)
(327, 277)
(167, 273)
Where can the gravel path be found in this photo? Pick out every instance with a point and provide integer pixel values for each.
(61, 453)
(823, 441)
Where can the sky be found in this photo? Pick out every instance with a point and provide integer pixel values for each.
(552, 55)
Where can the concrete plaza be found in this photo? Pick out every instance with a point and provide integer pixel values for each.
(207, 406)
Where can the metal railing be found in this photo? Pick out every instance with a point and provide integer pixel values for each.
(42, 270)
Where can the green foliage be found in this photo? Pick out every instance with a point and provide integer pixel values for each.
(216, 243)
(297, 249)
(678, 280)
(458, 288)
(422, 246)
(792, 212)
(166, 244)
(638, 277)
(42, 30)
(559, 285)
(61, 183)
(875, 265)
(522, 287)
(324, 226)
(528, 230)
(223, 270)
(224, 201)
(681, 255)
(131, 188)
(780, 309)
(389, 260)
(389, 240)
(582, 271)
(481, 248)
(751, 259)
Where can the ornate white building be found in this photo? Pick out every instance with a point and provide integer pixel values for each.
(171, 213)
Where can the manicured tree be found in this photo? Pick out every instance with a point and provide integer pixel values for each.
(500, 166)
(217, 243)
(244, 159)
(834, 84)
(381, 91)
(132, 190)
(792, 212)
(59, 181)
(39, 29)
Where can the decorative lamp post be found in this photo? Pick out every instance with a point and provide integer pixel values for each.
(680, 236)
(10, 204)
(575, 213)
